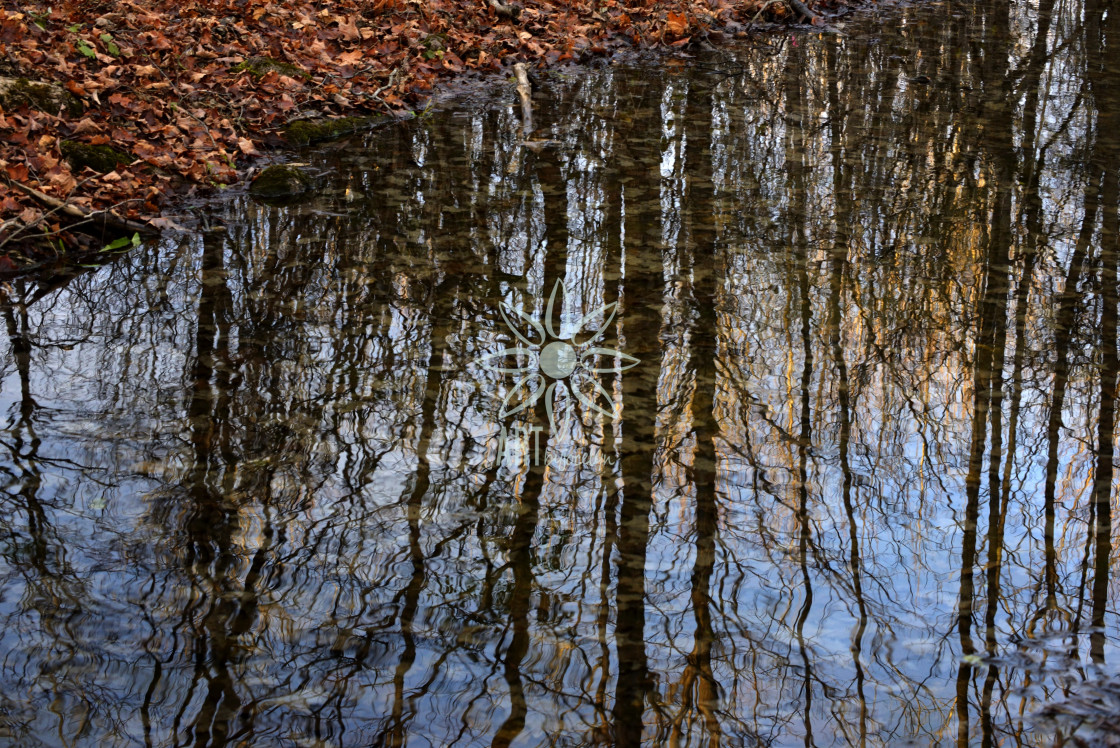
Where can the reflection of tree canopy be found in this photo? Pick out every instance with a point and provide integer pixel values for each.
(252, 486)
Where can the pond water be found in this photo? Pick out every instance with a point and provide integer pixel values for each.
(766, 397)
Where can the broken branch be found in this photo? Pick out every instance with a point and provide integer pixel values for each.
(106, 218)
(511, 11)
(525, 91)
(803, 10)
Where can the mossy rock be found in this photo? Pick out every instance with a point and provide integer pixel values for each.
(101, 158)
(306, 131)
(44, 97)
(282, 183)
(258, 67)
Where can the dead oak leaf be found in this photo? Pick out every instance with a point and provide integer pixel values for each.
(86, 125)
(676, 24)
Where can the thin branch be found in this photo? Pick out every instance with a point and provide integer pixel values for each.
(106, 216)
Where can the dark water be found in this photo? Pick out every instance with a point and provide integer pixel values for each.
(848, 480)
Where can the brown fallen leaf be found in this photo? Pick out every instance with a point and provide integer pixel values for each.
(86, 125)
(676, 24)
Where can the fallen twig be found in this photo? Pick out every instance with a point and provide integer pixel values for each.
(21, 229)
(761, 10)
(525, 91)
(510, 11)
(106, 217)
(803, 10)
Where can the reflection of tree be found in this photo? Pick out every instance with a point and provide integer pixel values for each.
(642, 329)
(838, 273)
(1101, 36)
(987, 405)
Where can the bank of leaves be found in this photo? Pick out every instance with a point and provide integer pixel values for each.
(187, 93)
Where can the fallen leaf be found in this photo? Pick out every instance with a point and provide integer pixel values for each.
(17, 172)
(676, 23)
(86, 125)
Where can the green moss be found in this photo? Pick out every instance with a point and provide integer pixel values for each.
(281, 182)
(102, 158)
(258, 67)
(45, 97)
(305, 131)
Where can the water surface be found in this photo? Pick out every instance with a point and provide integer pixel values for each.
(824, 455)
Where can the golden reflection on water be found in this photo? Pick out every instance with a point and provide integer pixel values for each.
(858, 490)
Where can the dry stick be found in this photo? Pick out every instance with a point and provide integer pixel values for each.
(22, 228)
(525, 91)
(762, 10)
(388, 84)
(10, 223)
(510, 11)
(800, 8)
(107, 217)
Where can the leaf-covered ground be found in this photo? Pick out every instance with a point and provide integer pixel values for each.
(189, 93)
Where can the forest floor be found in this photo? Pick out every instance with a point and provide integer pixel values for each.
(109, 109)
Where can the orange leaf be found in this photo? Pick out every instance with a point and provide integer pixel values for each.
(676, 23)
(17, 172)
